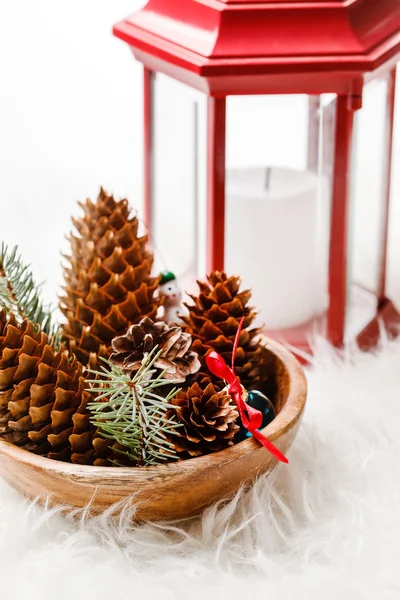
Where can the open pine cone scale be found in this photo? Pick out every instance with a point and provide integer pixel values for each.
(176, 356)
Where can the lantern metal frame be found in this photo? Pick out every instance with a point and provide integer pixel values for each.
(246, 47)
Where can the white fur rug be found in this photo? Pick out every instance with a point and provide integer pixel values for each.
(325, 527)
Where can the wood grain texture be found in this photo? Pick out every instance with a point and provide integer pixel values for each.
(166, 492)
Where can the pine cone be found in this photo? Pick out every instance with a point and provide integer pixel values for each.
(40, 390)
(208, 420)
(139, 341)
(108, 284)
(213, 322)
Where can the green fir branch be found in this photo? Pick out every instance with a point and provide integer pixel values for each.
(132, 411)
(20, 294)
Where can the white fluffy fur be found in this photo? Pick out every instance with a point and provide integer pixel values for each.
(325, 527)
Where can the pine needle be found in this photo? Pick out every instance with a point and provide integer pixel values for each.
(132, 411)
(20, 295)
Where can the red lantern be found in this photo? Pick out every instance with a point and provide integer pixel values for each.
(268, 140)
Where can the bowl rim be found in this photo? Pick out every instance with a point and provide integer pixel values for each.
(290, 413)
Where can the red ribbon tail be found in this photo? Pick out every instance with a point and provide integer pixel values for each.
(269, 445)
(252, 421)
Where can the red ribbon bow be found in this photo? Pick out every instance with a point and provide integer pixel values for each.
(251, 417)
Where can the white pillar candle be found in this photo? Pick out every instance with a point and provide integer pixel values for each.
(273, 220)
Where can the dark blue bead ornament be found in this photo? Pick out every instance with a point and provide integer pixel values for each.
(257, 400)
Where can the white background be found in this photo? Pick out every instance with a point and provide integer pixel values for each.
(70, 121)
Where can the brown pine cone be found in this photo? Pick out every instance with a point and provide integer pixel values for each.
(213, 322)
(139, 341)
(208, 419)
(108, 285)
(40, 390)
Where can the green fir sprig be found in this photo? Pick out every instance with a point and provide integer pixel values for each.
(20, 294)
(132, 412)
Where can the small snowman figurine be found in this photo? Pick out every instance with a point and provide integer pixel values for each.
(171, 297)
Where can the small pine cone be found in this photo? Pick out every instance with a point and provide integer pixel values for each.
(213, 322)
(208, 419)
(130, 349)
(40, 390)
(108, 285)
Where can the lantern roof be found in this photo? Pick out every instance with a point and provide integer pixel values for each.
(220, 38)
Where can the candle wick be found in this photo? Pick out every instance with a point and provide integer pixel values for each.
(268, 178)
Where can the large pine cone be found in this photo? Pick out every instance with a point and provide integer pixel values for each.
(208, 418)
(213, 322)
(108, 284)
(40, 390)
(130, 349)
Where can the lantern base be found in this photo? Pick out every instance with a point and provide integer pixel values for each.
(387, 319)
(299, 339)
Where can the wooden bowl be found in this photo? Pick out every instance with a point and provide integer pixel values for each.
(177, 490)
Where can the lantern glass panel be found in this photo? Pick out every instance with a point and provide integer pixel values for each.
(368, 205)
(278, 194)
(178, 204)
